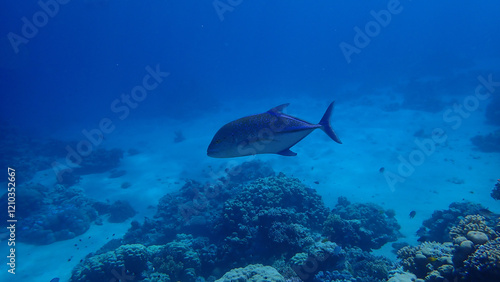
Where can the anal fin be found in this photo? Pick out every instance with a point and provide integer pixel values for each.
(287, 153)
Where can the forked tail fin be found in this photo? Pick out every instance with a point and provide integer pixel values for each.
(326, 126)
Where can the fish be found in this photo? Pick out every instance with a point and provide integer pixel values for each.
(272, 132)
(412, 214)
(432, 259)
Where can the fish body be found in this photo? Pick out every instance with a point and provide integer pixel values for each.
(272, 132)
(412, 214)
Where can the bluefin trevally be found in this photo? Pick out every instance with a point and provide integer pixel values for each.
(272, 132)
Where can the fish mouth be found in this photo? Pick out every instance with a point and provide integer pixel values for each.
(215, 153)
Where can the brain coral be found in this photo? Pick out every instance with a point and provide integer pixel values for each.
(438, 227)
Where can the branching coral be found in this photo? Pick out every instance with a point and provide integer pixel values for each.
(429, 260)
(484, 264)
(472, 223)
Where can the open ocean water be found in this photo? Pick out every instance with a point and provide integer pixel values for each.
(192, 140)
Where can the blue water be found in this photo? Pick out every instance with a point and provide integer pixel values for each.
(161, 77)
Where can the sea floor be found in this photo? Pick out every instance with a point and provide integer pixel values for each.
(372, 137)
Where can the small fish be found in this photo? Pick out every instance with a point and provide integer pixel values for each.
(272, 132)
(412, 214)
(381, 170)
(431, 259)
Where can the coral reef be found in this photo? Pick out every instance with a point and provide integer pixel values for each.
(366, 226)
(477, 245)
(31, 155)
(57, 223)
(191, 210)
(180, 260)
(274, 219)
(272, 214)
(495, 193)
(196, 207)
(252, 273)
(334, 276)
(240, 221)
(487, 143)
(401, 276)
(367, 267)
(474, 228)
(328, 262)
(483, 264)
(246, 223)
(437, 228)
(46, 215)
(430, 260)
(474, 254)
(26, 154)
(130, 260)
(318, 257)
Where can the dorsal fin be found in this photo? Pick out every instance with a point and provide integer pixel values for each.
(278, 109)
